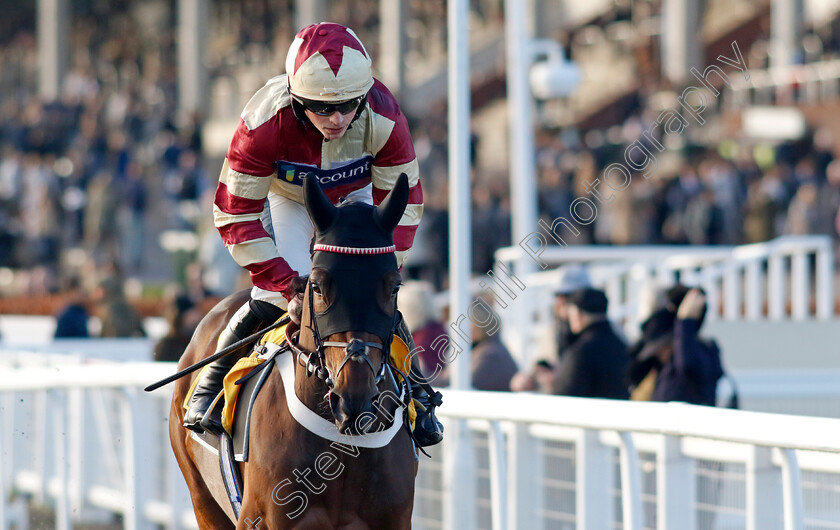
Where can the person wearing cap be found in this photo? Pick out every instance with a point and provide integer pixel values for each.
(326, 118)
(595, 362)
(571, 278)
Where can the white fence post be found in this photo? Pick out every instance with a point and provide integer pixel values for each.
(60, 445)
(799, 286)
(498, 476)
(665, 276)
(524, 475)
(140, 449)
(675, 486)
(40, 430)
(776, 287)
(4, 512)
(614, 294)
(75, 446)
(764, 490)
(178, 494)
(825, 281)
(792, 490)
(631, 483)
(459, 477)
(594, 482)
(7, 447)
(710, 282)
(689, 276)
(639, 281)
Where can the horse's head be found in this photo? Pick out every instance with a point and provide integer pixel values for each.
(350, 300)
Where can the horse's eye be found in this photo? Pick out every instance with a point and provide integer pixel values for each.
(315, 288)
(395, 290)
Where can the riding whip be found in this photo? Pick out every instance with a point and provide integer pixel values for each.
(218, 355)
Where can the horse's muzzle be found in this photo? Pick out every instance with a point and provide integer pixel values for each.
(353, 416)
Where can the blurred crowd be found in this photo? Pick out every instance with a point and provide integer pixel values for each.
(729, 195)
(584, 354)
(91, 180)
(734, 194)
(87, 175)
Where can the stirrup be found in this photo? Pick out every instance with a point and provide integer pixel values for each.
(198, 416)
(211, 420)
(427, 428)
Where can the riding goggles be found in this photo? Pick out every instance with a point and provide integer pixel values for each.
(322, 108)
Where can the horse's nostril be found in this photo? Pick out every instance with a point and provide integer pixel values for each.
(335, 404)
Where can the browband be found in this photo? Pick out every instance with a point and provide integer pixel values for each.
(354, 250)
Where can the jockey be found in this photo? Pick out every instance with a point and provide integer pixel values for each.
(329, 118)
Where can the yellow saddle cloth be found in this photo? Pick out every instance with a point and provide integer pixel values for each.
(399, 359)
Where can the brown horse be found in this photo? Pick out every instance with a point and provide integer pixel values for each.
(295, 478)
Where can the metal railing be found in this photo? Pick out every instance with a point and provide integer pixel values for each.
(789, 278)
(806, 84)
(86, 440)
(560, 462)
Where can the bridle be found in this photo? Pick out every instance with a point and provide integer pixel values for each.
(355, 349)
(315, 361)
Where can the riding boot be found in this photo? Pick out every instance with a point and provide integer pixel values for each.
(427, 429)
(245, 322)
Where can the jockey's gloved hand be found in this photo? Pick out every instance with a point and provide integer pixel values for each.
(294, 293)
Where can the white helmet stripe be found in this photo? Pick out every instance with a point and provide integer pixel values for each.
(344, 73)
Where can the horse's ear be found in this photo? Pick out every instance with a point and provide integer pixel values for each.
(392, 207)
(320, 209)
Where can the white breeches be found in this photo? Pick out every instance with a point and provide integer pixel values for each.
(292, 230)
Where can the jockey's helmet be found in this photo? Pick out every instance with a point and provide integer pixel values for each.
(327, 62)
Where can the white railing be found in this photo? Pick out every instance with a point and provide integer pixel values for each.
(804, 84)
(789, 278)
(549, 461)
(85, 439)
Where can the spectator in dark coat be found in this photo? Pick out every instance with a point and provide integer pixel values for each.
(570, 278)
(595, 363)
(670, 362)
(73, 320)
(573, 277)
